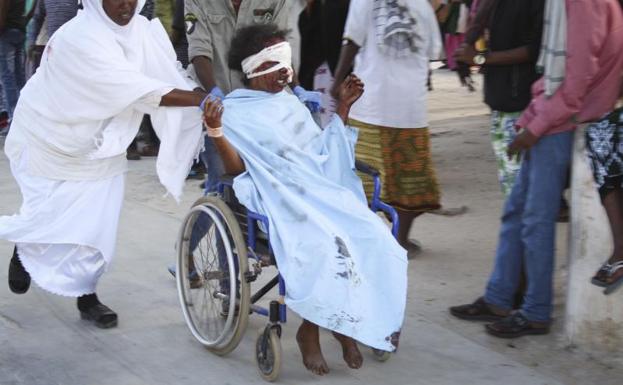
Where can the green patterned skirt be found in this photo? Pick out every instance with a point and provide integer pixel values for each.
(403, 158)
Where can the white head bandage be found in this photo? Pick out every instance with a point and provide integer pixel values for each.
(280, 53)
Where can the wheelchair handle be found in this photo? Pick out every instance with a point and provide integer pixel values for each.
(366, 168)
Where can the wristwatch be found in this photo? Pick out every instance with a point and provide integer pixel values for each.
(480, 58)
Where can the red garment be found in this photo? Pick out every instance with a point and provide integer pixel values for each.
(593, 70)
(453, 41)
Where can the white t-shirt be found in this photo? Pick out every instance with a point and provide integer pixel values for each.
(395, 88)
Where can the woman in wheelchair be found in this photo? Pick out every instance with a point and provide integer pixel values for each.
(342, 267)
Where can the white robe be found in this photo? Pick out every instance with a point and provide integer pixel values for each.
(73, 123)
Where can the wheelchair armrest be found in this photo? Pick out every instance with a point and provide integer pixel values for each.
(227, 179)
(366, 168)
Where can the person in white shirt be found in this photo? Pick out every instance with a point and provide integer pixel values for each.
(391, 43)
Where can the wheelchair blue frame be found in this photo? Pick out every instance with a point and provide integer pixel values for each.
(278, 314)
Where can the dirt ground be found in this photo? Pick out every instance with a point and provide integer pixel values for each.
(42, 340)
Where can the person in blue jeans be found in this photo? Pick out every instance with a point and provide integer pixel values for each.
(581, 82)
(12, 56)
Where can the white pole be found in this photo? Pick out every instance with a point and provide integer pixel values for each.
(594, 321)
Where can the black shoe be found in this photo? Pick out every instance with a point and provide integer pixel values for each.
(101, 315)
(132, 154)
(516, 325)
(477, 311)
(19, 279)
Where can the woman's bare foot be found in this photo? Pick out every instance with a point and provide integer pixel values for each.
(308, 339)
(350, 351)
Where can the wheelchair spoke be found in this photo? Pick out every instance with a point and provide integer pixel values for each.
(213, 264)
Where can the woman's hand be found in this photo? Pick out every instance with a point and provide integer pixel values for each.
(350, 90)
(213, 113)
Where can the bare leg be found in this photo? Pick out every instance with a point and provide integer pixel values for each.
(406, 219)
(350, 351)
(308, 338)
(613, 203)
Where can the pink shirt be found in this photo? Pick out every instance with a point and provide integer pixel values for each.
(593, 70)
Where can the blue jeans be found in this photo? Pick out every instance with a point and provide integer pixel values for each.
(2, 105)
(528, 230)
(12, 67)
(213, 164)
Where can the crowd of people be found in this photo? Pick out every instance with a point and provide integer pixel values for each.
(340, 78)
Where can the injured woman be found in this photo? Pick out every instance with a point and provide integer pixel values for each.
(342, 268)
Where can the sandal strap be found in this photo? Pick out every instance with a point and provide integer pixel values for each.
(605, 266)
(615, 267)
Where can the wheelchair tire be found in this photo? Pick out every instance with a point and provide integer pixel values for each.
(208, 273)
(269, 364)
(381, 355)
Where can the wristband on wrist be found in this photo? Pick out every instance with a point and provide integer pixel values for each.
(215, 132)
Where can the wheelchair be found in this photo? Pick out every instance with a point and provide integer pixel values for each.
(222, 250)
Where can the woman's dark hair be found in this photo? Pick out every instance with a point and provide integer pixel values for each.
(251, 40)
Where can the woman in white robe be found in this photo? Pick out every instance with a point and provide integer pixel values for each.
(75, 118)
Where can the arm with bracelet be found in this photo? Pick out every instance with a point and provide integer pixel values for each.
(212, 119)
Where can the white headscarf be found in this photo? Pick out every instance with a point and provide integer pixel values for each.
(128, 36)
(79, 111)
(97, 7)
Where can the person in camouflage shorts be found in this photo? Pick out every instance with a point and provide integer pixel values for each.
(502, 134)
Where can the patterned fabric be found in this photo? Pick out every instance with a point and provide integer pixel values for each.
(397, 29)
(553, 58)
(604, 142)
(502, 134)
(404, 160)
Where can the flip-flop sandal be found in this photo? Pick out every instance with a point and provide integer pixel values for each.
(618, 282)
(19, 279)
(601, 274)
(101, 315)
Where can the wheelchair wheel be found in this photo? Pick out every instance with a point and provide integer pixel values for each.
(381, 355)
(211, 267)
(268, 354)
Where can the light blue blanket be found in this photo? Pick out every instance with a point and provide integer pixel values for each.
(343, 269)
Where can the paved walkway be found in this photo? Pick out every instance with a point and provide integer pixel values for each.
(43, 341)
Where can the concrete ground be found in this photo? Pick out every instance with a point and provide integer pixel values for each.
(43, 341)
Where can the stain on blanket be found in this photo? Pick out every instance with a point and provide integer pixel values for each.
(295, 186)
(337, 321)
(346, 261)
(298, 128)
(394, 339)
(298, 216)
